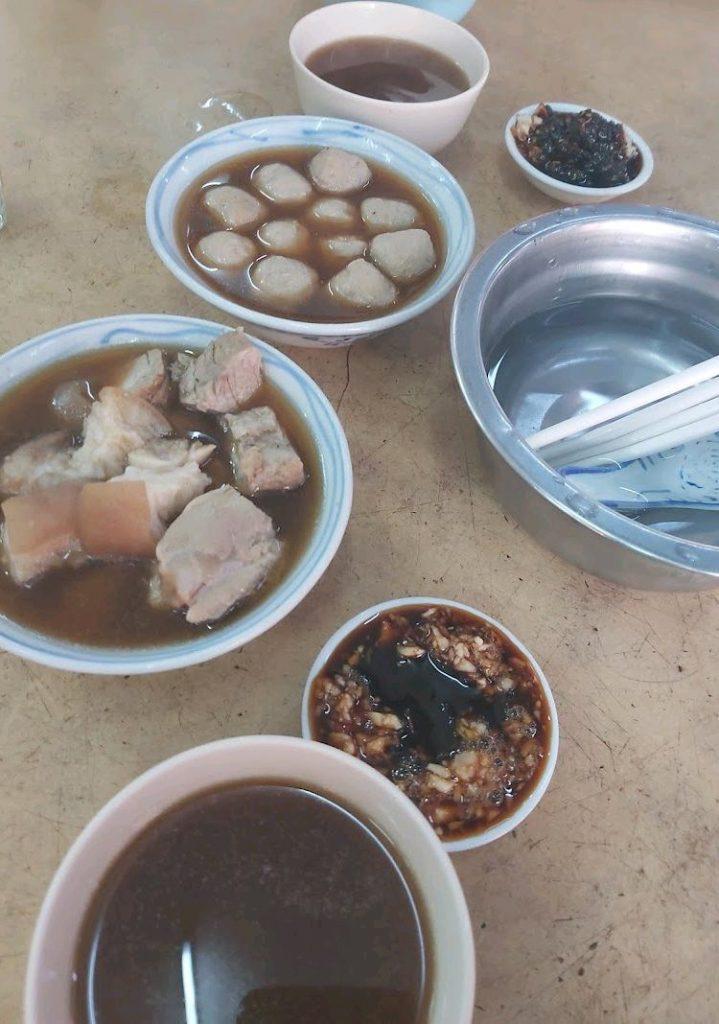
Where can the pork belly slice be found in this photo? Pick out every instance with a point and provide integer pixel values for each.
(40, 531)
(217, 552)
(223, 377)
(118, 424)
(116, 520)
(37, 464)
(262, 457)
(170, 470)
(147, 377)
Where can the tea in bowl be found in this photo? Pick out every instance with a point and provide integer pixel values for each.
(265, 877)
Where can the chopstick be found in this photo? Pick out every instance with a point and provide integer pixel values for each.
(702, 428)
(657, 419)
(660, 389)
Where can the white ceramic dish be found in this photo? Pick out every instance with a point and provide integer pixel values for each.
(431, 126)
(453, 9)
(527, 806)
(318, 767)
(577, 195)
(437, 185)
(179, 332)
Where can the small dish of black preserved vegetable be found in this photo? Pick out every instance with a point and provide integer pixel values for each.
(582, 148)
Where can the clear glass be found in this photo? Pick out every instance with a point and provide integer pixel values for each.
(226, 108)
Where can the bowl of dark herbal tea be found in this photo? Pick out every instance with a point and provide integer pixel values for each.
(260, 879)
(169, 489)
(448, 705)
(400, 68)
(577, 155)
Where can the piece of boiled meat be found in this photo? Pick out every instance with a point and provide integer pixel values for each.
(40, 463)
(116, 520)
(281, 183)
(234, 207)
(170, 470)
(147, 377)
(225, 249)
(217, 552)
(262, 457)
(336, 171)
(362, 285)
(118, 424)
(223, 377)
(40, 531)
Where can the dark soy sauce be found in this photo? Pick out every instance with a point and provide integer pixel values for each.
(253, 904)
(388, 69)
(435, 695)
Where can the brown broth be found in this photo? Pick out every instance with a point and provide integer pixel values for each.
(105, 604)
(381, 68)
(193, 222)
(265, 904)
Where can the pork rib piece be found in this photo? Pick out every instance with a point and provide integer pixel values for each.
(223, 377)
(147, 378)
(262, 457)
(217, 552)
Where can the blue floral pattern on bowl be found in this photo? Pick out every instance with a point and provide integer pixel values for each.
(438, 186)
(682, 477)
(335, 467)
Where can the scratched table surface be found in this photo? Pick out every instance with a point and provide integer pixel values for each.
(603, 906)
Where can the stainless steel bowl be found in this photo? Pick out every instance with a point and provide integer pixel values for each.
(569, 310)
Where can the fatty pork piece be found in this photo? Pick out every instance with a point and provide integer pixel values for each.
(281, 183)
(147, 377)
(217, 552)
(42, 462)
(116, 520)
(118, 424)
(388, 214)
(335, 171)
(170, 471)
(360, 284)
(262, 457)
(223, 377)
(403, 255)
(40, 531)
(225, 250)
(233, 207)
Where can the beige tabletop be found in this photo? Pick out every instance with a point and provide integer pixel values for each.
(603, 906)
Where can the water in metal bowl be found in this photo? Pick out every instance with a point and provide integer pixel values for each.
(563, 314)
(558, 363)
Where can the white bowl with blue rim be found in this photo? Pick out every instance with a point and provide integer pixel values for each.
(433, 180)
(310, 403)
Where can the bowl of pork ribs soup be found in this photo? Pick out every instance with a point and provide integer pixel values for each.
(170, 489)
